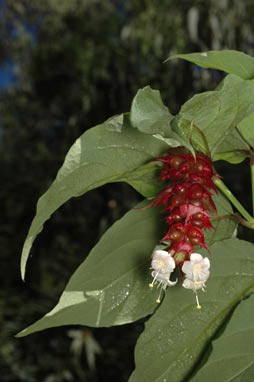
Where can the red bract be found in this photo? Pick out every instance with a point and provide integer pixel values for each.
(175, 233)
(180, 165)
(187, 232)
(177, 194)
(189, 213)
(182, 246)
(195, 235)
(201, 220)
(163, 197)
(181, 252)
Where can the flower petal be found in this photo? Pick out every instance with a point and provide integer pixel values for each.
(172, 283)
(196, 258)
(206, 263)
(187, 267)
(188, 284)
(160, 253)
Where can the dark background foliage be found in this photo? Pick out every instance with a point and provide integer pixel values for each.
(65, 67)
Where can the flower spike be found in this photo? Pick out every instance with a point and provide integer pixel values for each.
(187, 202)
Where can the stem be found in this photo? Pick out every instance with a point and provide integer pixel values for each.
(239, 220)
(252, 177)
(223, 188)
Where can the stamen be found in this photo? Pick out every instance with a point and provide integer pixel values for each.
(159, 297)
(159, 284)
(198, 306)
(154, 280)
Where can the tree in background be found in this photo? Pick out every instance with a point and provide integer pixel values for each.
(78, 63)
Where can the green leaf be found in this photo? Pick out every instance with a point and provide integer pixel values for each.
(148, 113)
(111, 286)
(233, 157)
(216, 114)
(224, 228)
(246, 128)
(111, 152)
(232, 147)
(180, 136)
(176, 335)
(232, 354)
(150, 116)
(230, 61)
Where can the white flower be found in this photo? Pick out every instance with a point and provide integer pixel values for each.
(197, 269)
(163, 265)
(197, 272)
(163, 262)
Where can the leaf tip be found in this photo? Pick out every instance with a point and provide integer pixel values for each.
(22, 270)
(20, 334)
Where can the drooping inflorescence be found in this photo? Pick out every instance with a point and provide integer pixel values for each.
(187, 202)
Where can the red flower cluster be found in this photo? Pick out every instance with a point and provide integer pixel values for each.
(187, 200)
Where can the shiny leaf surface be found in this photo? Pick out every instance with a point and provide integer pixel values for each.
(176, 335)
(111, 286)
